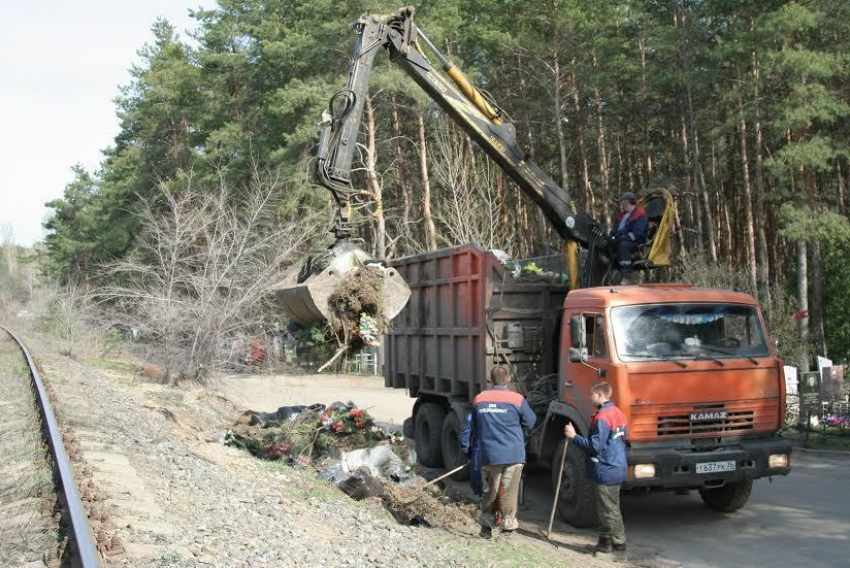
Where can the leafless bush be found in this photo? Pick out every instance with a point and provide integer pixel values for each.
(469, 209)
(202, 267)
(66, 314)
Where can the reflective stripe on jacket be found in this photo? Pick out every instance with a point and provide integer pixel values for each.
(605, 447)
(498, 418)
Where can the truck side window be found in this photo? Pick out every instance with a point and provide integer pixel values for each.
(599, 348)
(595, 335)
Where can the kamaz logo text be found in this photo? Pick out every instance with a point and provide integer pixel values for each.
(720, 415)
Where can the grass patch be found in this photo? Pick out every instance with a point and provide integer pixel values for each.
(166, 398)
(113, 365)
(833, 439)
(507, 554)
(307, 485)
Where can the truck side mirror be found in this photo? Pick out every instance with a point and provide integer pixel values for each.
(578, 355)
(577, 332)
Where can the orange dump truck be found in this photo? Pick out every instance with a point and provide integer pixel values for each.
(693, 369)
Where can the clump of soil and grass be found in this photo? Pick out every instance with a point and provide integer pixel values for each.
(357, 317)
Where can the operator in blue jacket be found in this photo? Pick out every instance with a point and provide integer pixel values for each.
(605, 450)
(498, 418)
(630, 231)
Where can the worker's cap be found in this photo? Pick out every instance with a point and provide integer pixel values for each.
(629, 196)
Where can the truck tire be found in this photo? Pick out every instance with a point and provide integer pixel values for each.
(408, 428)
(577, 499)
(452, 455)
(429, 429)
(729, 498)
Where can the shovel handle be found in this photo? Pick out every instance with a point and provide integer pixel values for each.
(558, 488)
(445, 475)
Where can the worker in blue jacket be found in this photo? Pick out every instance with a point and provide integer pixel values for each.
(605, 451)
(469, 446)
(631, 230)
(499, 416)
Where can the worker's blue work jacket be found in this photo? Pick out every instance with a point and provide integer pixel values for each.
(499, 416)
(605, 446)
(636, 230)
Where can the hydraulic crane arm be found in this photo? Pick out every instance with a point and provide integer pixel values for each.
(479, 117)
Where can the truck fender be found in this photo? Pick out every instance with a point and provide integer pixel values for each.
(557, 416)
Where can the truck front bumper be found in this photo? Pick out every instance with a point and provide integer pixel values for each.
(683, 467)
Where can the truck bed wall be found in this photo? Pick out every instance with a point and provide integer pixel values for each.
(465, 315)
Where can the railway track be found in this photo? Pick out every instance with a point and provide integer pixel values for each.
(42, 517)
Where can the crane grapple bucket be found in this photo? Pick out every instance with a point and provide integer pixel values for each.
(307, 302)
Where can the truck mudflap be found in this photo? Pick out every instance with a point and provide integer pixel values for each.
(684, 467)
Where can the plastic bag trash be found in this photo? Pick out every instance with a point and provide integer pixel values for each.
(419, 521)
(283, 414)
(334, 473)
(341, 406)
(380, 460)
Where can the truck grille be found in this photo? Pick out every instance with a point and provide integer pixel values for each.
(648, 422)
(681, 424)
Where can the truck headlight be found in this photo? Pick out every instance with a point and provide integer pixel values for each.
(643, 470)
(777, 460)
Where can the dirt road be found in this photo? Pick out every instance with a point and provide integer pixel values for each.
(267, 393)
(800, 520)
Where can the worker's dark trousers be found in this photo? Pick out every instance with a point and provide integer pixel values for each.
(610, 517)
(624, 251)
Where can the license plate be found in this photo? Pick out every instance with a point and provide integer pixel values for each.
(714, 467)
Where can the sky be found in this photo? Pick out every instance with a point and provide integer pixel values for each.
(61, 64)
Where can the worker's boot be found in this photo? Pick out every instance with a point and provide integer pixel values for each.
(625, 274)
(603, 546)
(619, 552)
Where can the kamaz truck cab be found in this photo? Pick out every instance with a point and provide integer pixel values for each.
(695, 374)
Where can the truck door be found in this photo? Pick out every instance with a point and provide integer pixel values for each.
(577, 378)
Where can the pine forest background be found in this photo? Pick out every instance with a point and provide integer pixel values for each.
(741, 108)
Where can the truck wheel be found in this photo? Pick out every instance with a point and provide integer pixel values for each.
(407, 428)
(452, 456)
(576, 501)
(728, 498)
(429, 427)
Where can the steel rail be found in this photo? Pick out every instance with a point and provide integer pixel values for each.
(83, 537)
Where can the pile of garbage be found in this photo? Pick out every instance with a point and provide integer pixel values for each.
(342, 443)
(304, 434)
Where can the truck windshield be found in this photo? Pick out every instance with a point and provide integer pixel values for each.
(688, 331)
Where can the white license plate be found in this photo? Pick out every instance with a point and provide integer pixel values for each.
(714, 467)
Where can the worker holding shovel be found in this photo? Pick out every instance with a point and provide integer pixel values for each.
(499, 416)
(605, 449)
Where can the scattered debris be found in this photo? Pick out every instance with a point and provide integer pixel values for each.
(345, 447)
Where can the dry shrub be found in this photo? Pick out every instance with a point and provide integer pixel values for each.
(439, 509)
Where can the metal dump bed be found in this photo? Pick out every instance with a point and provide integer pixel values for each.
(466, 314)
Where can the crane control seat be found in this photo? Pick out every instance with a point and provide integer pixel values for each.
(655, 205)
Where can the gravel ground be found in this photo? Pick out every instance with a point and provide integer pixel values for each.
(25, 475)
(176, 496)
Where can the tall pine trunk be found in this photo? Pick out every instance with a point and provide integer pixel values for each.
(429, 229)
(749, 231)
(401, 167)
(803, 305)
